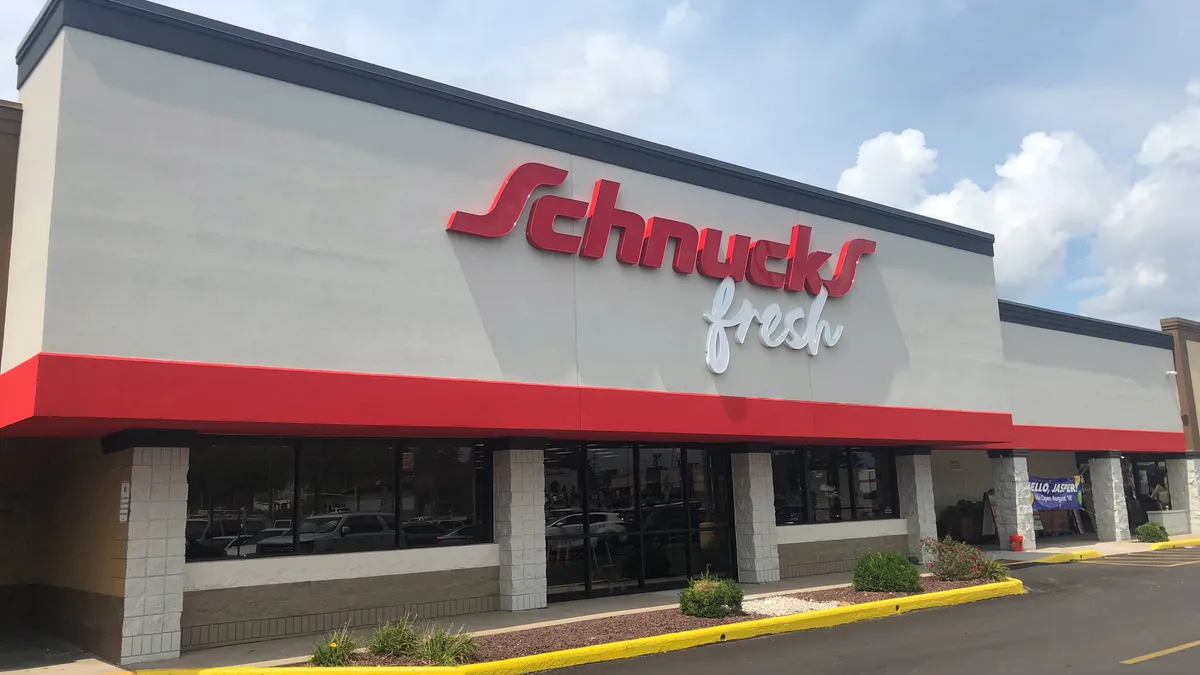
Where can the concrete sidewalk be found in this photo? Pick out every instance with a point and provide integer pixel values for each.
(1060, 545)
(295, 650)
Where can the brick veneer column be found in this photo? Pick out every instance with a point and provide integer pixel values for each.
(1108, 497)
(914, 479)
(1183, 479)
(520, 484)
(155, 552)
(754, 518)
(1012, 497)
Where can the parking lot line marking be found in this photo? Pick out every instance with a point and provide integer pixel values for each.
(1124, 564)
(1155, 655)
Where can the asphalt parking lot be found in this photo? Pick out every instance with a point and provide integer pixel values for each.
(1132, 614)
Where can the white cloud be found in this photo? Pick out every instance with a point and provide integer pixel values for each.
(891, 169)
(681, 19)
(600, 77)
(1057, 190)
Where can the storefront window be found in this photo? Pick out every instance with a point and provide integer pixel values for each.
(343, 496)
(822, 485)
(237, 497)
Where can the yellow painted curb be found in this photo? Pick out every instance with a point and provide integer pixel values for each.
(1178, 543)
(1054, 558)
(653, 645)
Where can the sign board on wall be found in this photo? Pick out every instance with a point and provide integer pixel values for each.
(1056, 494)
(643, 242)
(123, 502)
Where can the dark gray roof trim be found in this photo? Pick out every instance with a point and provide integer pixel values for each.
(1026, 315)
(170, 30)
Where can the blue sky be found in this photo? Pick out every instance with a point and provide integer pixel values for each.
(1064, 94)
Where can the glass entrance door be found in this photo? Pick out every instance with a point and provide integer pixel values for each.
(626, 518)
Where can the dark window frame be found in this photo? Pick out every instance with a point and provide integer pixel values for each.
(481, 462)
(840, 457)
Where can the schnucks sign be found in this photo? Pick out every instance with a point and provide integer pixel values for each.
(643, 241)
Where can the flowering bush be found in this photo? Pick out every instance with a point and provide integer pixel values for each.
(956, 561)
(335, 650)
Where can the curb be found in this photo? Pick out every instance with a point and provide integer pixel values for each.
(1179, 543)
(652, 645)
(1057, 559)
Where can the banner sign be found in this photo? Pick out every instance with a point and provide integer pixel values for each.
(1054, 494)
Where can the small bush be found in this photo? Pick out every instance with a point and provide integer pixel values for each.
(956, 561)
(396, 639)
(885, 572)
(991, 569)
(441, 647)
(335, 650)
(1151, 532)
(710, 597)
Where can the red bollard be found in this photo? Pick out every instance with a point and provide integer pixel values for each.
(1016, 542)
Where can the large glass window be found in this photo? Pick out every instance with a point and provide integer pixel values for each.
(238, 496)
(313, 496)
(822, 485)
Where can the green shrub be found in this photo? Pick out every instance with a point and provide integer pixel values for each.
(396, 639)
(885, 572)
(441, 647)
(955, 561)
(991, 569)
(710, 597)
(1151, 532)
(335, 649)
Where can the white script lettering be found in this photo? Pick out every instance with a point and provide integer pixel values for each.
(775, 327)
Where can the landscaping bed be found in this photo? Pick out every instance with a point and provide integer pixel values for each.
(512, 644)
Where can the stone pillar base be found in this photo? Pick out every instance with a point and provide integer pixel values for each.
(520, 522)
(1012, 497)
(914, 478)
(1183, 479)
(754, 518)
(1108, 498)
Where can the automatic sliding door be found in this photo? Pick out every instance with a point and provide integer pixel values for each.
(708, 486)
(566, 573)
(611, 499)
(665, 518)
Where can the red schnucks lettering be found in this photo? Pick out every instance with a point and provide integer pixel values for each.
(509, 201)
(541, 233)
(737, 255)
(603, 215)
(804, 264)
(760, 252)
(645, 242)
(847, 265)
(658, 231)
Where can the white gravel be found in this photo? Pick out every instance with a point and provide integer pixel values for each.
(782, 605)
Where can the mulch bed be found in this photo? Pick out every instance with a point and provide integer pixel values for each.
(630, 626)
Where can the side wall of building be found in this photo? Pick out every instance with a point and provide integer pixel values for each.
(66, 569)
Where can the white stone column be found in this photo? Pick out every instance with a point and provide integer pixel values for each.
(754, 518)
(154, 555)
(914, 478)
(1012, 497)
(520, 527)
(1183, 479)
(1108, 497)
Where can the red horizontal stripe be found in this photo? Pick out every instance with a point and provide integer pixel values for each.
(59, 395)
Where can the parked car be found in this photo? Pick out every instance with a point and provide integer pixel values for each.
(422, 533)
(467, 534)
(603, 525)
(337, 533)
(247, 545)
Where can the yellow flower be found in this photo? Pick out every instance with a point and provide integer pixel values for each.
(333, 644)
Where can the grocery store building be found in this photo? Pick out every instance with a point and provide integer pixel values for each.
(293, 340)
